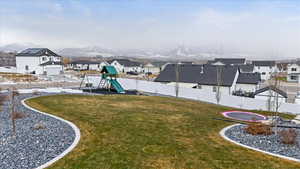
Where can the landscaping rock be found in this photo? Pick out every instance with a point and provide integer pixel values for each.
(30, 147)
(269, 143)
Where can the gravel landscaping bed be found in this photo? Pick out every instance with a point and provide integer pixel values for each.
(268, 143)
(31, 147)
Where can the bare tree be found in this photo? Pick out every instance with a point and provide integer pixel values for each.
(14, 114)
(274, 102)
(3, 98)
(219, 83)
(177, 79)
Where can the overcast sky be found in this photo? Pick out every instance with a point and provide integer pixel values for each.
(265, 27)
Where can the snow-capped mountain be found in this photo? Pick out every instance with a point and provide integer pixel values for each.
(179, 53)
(17, 47)
(86, 51)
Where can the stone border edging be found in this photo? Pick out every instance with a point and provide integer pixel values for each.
(74, 127)
(222, 134)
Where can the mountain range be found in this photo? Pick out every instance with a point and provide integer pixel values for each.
(177, 53)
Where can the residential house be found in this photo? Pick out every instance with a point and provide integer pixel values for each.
(188, 75)
(39, 61)
(224, 77)
(271, 93)
(125, 65)
(265, 68)
(228, 61)
(293, 72)
(209, 77)
(247, 68)
(88, 65)
(248, 82)
(151, 68)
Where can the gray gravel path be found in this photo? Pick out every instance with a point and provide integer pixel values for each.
(30, 147)
(269, 143)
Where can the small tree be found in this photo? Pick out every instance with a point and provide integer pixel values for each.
(3, 98)
(177, 79)
(14, 114)
(66, 60)
(219, 82)
(273, 101)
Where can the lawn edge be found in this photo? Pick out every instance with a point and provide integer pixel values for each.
(74, 127)
(222, 134)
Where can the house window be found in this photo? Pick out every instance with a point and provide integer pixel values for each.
(263, 73)
(294, 69)
(214, 89)
(293, 77)
(43, 58)
(26, 67)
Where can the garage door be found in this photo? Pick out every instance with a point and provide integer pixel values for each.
(53, 70)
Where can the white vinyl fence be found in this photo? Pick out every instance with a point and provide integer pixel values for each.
(204, 95)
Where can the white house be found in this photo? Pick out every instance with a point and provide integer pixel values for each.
(265, 68)
(270, 93)
(39, 61)
(203, 77)
(188, 75)
(213, 76)
(151, 68)
(248, 82)
(125, 65)
(293, 72)
(87, 65)
(228, 61)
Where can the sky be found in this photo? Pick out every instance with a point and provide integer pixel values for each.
(255, 27)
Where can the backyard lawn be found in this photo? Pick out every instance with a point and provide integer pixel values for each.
(137, 132)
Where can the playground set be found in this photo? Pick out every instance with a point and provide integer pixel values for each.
(108, 82)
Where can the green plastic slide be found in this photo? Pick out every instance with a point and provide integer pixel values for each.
(117, 86)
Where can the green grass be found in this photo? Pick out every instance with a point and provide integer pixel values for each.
(138, 132)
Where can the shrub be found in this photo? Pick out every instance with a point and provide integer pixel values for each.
(288, 136)
(258, 129)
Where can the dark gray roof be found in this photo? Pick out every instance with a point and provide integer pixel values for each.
(282, 93)
(86, 62)
(246, 68)
(209, 76)
(229, 61)
(189, 73)
(248, 78)
(201, 74)
(51, 63)
(263, 63)
(126, 62)
(37, 52)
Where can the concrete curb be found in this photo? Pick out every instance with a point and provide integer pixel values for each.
(69, 149)
(222, 133)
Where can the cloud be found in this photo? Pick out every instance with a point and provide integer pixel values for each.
(256, 28)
